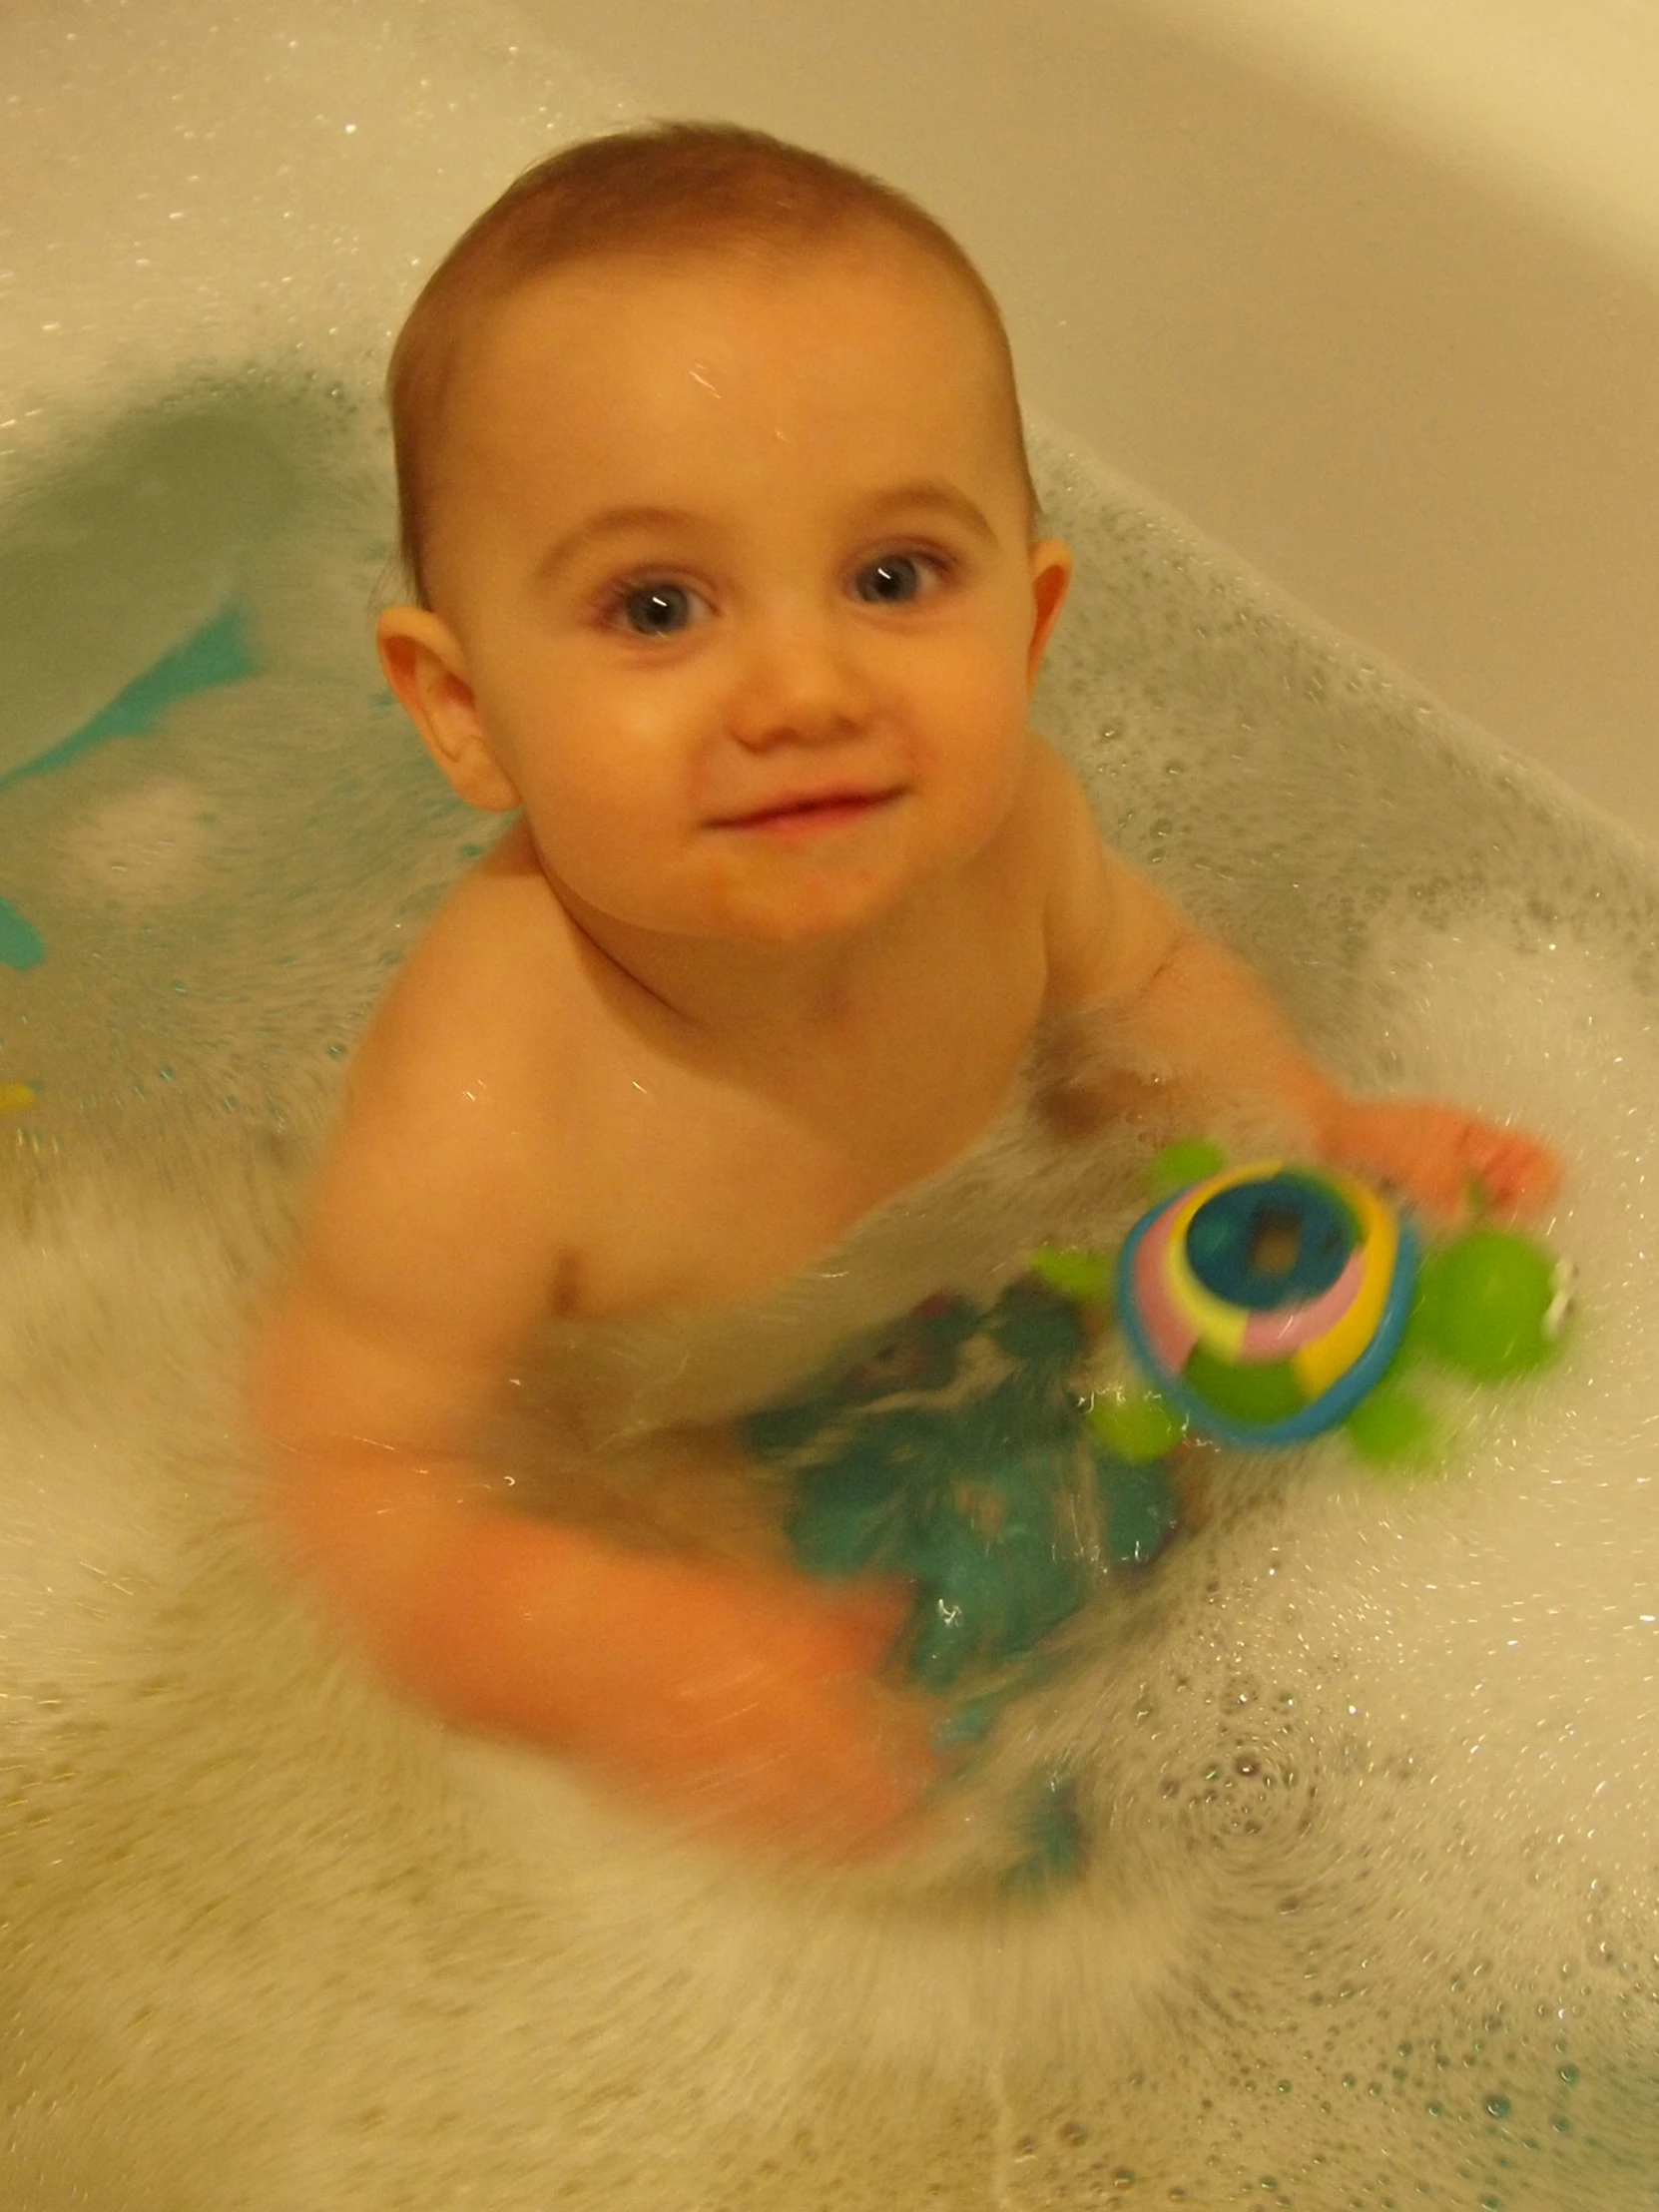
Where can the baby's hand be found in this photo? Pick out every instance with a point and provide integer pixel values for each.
(748, 1705)
(1449, 1162)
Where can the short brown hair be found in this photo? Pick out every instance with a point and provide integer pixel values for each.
(647, 191)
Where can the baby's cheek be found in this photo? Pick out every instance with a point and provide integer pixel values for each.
(982, 755)
(595, 833)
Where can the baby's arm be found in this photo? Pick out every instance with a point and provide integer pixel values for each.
(742, 1700)
(1210, 1037)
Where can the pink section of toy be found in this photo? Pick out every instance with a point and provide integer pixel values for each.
(1168, 1331)
(1275, 1334)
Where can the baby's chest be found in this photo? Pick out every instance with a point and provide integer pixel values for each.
(699, 1188)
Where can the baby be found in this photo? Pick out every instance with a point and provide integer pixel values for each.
(729, 587)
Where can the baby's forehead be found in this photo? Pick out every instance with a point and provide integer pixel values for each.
(610, 295)
(838, 327)
(845, 324)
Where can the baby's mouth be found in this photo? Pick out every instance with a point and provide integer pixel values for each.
(804, 812)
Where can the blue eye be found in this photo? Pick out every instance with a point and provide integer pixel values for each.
(658, 610)
(893, 580)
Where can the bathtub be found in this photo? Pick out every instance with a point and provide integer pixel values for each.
(1369, 301)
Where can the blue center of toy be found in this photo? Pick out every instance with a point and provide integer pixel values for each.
(1264, 1245)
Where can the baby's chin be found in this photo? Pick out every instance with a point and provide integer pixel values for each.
(809, 905)
(759, 891)
(786, 922)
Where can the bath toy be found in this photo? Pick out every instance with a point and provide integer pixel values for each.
(955, 1448)
(1266, 1303)
(956, 1451)
(998, 1459)
(1493, 1303)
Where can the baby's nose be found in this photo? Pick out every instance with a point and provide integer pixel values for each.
(800, 682)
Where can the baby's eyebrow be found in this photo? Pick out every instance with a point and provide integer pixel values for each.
(930, 496)
(902, 500)
(607, 523)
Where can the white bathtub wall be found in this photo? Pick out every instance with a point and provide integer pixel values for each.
(1555, 99)
(183, 186)
(1368, 289)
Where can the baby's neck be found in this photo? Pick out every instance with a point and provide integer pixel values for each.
(739, 998)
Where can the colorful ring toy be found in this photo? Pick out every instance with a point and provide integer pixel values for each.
(1267, 1301)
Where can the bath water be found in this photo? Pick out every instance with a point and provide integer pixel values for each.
(1367, 1915)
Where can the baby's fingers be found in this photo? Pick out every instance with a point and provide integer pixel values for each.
(1407, 1149)
(1447, 1162)
(1517, 1173)
(821, 1770)
(1467, 1166)
(748, 1705)
(857, 1627)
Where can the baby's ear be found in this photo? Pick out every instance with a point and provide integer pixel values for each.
(426, 668)
(1050, 576)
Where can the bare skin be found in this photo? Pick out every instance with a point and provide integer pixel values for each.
(750, 644)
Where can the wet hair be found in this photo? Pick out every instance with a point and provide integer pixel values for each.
(665, 188)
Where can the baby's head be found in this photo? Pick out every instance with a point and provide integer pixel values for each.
(715, 506)
(658, 196)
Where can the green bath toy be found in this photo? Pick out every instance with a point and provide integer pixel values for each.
(1266, 1303)
(956, 1453)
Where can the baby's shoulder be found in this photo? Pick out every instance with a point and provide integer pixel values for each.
(441, 1212)
(488, 1004)
(500, 923)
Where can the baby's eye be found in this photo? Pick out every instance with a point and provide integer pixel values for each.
(658, 610)
(895, 579)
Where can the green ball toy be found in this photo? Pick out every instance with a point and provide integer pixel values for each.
(1492, 1304)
